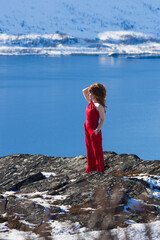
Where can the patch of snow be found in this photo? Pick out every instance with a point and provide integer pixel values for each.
(28, 223)
(41, 198)
(155, 193)
(122, 35)
(10, 193)
(135, 231)
(12, 234)
(130, 222)
(89, 208)
(3, 227)
(152, 180)
(138, 231)
(71, 231)
(134, 204)
(73, 180)
(48, 174)
(64, 208)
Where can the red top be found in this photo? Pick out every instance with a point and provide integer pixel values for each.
(92, 116)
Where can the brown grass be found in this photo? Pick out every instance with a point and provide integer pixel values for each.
(126, 174)
(79, 210)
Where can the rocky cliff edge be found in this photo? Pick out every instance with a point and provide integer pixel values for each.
(37, 189)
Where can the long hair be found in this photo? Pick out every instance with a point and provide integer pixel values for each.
(99, 92)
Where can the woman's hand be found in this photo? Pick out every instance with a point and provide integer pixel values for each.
(96, 131)
(101, 111)
(86, 94)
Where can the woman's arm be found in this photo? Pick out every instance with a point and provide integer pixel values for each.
(85, 93)
(101, 111)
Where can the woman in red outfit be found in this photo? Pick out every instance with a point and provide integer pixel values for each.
(95, 95)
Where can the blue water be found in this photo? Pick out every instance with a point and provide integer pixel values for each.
(42, 109)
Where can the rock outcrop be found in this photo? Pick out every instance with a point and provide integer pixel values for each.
(36, 189)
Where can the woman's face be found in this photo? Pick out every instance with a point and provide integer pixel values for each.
(90, 95)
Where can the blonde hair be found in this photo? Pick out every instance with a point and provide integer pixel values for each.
(99, 92)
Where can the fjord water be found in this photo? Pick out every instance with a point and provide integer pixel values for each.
(42, 109)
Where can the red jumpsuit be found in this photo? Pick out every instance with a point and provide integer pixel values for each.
(95, 159)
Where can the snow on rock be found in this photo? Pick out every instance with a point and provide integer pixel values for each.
(48, 174)
(18, 235)
(123, 36)
(138, 231)
(152, 181)
(116, 201)
(109, 43)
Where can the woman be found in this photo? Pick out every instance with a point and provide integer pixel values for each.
(95, 95)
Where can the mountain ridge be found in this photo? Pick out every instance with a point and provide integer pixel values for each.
(80, 19)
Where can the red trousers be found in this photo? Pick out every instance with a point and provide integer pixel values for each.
(95, 159)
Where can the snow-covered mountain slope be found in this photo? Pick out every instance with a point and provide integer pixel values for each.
(96, 20)
(83, 18)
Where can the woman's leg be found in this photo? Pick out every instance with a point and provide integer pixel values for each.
(91, 161)
(98, 151)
